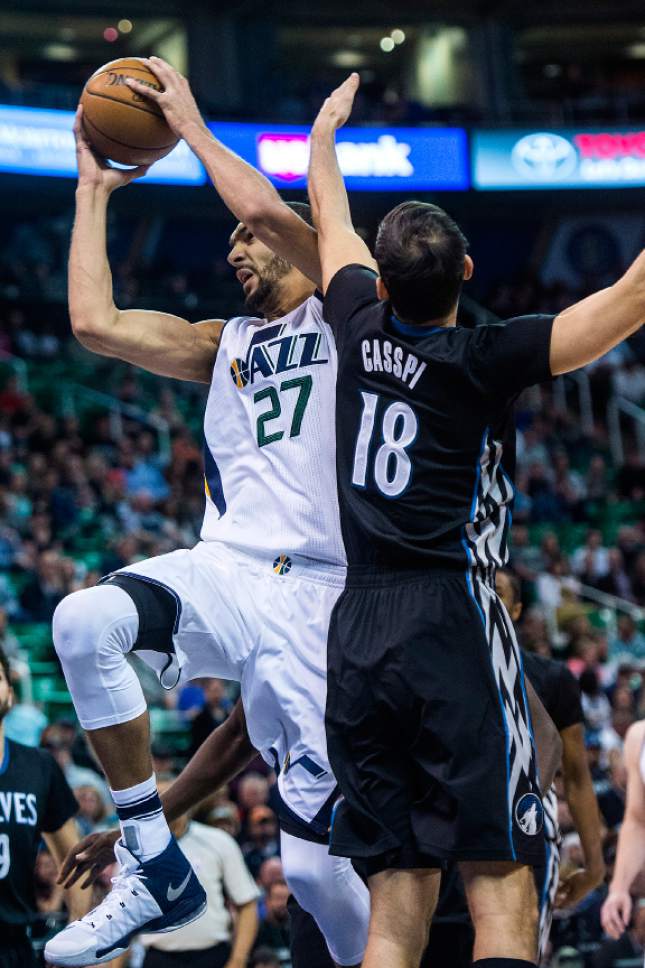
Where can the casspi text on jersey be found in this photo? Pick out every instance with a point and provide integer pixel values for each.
(382, 356)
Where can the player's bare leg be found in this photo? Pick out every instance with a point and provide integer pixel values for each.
(403, 903)
(503, 908)
(123, 751)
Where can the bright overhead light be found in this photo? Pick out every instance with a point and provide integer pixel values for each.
(387, 44)
(59, 52)
(636, 51)
(398, 35)
(110, 34)
(125, 26)
(348, 58)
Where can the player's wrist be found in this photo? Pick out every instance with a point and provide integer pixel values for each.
(92, 189)
(194, 132)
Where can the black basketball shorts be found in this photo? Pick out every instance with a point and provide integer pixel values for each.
(428, 726)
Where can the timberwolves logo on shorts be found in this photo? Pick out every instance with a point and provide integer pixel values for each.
(529, 814)
(282, 565)
(240, 373)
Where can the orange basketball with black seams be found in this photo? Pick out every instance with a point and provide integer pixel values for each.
(120, 123)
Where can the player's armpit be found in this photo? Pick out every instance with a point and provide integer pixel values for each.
(158, 342)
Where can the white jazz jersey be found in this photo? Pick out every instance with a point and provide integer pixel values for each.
(270, 438)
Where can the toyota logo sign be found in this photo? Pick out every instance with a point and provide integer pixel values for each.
(544, 156)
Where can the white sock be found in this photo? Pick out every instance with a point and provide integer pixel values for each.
(143, 825)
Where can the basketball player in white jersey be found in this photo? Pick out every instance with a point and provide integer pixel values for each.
(251, 602)
(630, 858)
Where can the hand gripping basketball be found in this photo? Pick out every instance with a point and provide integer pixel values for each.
(175, 100)
(94, 171)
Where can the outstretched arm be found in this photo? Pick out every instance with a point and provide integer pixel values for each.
(593, 326)
(579, 794)
(338, 243)
(158, 342)
(245, 191)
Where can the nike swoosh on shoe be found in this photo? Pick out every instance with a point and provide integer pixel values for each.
(174, 892)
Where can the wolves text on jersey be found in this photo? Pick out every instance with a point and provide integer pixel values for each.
(382, 356)
(271, 353)
(18, 808)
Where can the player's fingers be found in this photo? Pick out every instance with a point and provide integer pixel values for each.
(74, 875)
(92, 877)
(143, 89)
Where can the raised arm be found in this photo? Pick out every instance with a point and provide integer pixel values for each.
(244, 190)
(593, 326)
(159, 342)
(338, 243)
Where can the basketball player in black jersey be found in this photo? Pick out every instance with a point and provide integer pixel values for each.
(35, 802)
(427, 721)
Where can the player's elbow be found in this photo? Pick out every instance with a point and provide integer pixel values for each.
(89, 326)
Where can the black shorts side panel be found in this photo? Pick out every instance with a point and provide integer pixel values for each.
(427, 726)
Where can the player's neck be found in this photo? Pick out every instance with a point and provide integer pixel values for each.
(442, 322)
(291, 296)
(1, 741)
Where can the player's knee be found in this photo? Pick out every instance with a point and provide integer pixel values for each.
(302, 879)
(82, 620)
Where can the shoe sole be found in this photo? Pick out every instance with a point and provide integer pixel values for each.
(84, 959)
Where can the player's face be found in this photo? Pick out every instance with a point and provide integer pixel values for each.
(257, 268)
(6, 695)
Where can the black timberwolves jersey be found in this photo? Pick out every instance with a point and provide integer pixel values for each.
(34, 797)
(425, 432)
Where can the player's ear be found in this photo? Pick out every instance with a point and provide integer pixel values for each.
(517, 611)
(469, 267)
(381, 290)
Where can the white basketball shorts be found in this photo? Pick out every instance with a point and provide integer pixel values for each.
(264, 623)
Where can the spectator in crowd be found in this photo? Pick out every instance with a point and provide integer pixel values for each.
(42, 594)
(215, 940)
(77, 776)
(628, 643)
(50, 896)
(595, 705)
(225, 816)
(274, 929)
(262, 834)
(91, 809)
(217, 707)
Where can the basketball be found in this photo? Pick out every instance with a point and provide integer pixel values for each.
(121, 124)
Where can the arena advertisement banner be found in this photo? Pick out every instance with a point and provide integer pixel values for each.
(371, 159)
(38, 141)
(563, 158)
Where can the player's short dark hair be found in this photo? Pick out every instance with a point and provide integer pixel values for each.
(303, 209)
(514, 582)
(4, 665)
(420, 253)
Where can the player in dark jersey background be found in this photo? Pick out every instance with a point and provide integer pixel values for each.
(427, 721)
(35, 802)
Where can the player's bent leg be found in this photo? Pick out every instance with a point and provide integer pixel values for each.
(93, 631)
(156, 889)
(332, 892)
(403, 902)
(503, 907)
